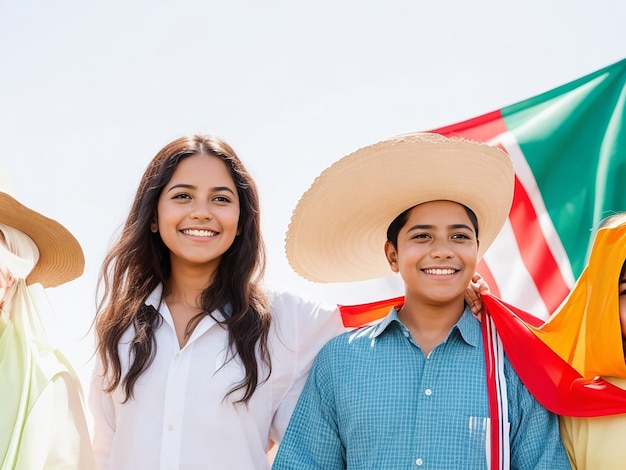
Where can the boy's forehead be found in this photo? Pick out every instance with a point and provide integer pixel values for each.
(439, 207)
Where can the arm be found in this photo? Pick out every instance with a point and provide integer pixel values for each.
(103, 414)
(72, 444)
(534, 435)
(55, 433)
(305, 326)
(312, 440)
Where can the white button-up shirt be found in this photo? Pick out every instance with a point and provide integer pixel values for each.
(179, 417)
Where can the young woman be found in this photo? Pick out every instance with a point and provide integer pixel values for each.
(198, 365)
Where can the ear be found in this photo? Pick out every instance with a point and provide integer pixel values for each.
(392, 256)
(154, 225)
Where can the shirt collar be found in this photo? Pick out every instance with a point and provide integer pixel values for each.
(155, 299)
(468, 326)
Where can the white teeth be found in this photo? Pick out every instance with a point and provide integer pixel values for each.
(439, 271)
(200, 233)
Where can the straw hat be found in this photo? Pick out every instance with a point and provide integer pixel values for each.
(61, 258)
(339, 227)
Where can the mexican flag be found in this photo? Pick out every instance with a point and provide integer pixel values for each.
(568, 146)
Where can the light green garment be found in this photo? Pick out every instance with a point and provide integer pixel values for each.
(42, 424)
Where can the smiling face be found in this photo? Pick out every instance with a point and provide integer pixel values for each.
(436, 253)
(198, 213)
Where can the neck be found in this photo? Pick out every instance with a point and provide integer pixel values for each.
(186, 287)
(183, 299)
(430, 323)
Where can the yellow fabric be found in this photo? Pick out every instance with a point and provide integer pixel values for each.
(585, 330)
(595, 443)
(42, 424)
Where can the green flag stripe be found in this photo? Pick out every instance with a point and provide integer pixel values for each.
(574, 140)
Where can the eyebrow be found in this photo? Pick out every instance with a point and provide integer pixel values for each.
(191, 186)
(430, 227)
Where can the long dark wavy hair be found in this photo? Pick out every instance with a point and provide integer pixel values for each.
(140, 261)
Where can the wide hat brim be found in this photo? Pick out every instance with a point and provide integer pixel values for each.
(339, 227)
(61, 257)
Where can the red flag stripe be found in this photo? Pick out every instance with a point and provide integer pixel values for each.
(492, 394)
(480, 128)
(536, 253)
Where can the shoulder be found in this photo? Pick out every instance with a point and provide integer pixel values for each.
(517, 390)
(302, 323)
(351, 343)
(288, 304)
(283, 296)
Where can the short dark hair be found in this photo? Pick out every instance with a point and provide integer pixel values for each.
(396, 225)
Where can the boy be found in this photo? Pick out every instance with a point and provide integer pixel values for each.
(418, 389)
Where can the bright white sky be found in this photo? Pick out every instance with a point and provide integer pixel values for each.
(90, 91)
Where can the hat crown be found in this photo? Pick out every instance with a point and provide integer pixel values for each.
(61, 256)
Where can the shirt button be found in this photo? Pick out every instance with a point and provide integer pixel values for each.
(170, 427)
(419, 462)
(177, 355)
(428, 392)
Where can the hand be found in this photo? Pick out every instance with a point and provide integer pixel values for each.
(6, 282)
(476, 287)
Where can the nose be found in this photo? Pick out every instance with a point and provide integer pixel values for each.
(201, 211)
(441, 249)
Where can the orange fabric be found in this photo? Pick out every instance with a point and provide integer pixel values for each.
(354, 316)
(585, 330)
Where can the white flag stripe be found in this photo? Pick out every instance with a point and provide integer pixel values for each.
(516, 285)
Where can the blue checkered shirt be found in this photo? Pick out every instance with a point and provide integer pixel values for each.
(374, 401)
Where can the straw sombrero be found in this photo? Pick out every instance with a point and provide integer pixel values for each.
(61, 258)
(338, 228)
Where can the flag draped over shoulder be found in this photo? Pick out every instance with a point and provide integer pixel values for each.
(566, 362)
(568, 146)
(569, 150)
